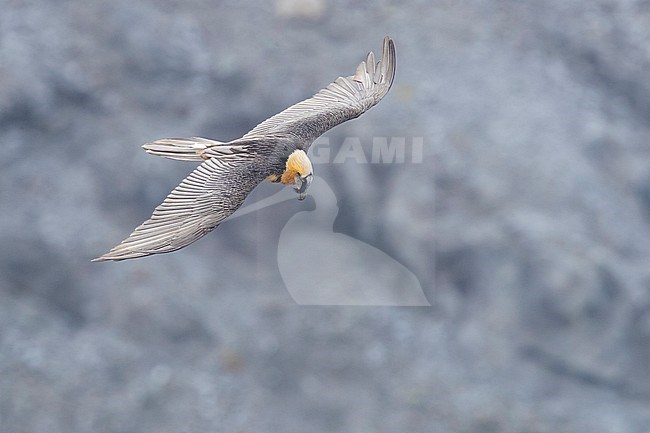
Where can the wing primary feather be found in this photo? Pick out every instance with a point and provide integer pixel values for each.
(370, 64)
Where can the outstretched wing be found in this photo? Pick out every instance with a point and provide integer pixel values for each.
(211, 193)
(344, 99)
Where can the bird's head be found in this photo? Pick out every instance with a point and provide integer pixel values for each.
(299, 173)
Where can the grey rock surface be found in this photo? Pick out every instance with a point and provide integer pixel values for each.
(527, 222)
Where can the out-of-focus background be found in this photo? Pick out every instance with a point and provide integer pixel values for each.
(527, 223)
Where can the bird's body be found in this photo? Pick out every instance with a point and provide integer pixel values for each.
(275, 150)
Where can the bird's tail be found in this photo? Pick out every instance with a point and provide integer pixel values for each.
(183, 149)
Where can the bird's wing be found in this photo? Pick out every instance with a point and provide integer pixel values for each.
(344, 99)
(211, 193)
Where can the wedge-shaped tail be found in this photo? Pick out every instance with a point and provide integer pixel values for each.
(183, 149)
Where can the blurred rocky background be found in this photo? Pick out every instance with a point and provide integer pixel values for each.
(527, 223)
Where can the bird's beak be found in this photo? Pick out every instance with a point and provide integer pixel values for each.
(302, 183)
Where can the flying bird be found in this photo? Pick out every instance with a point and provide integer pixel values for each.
(275, 151)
